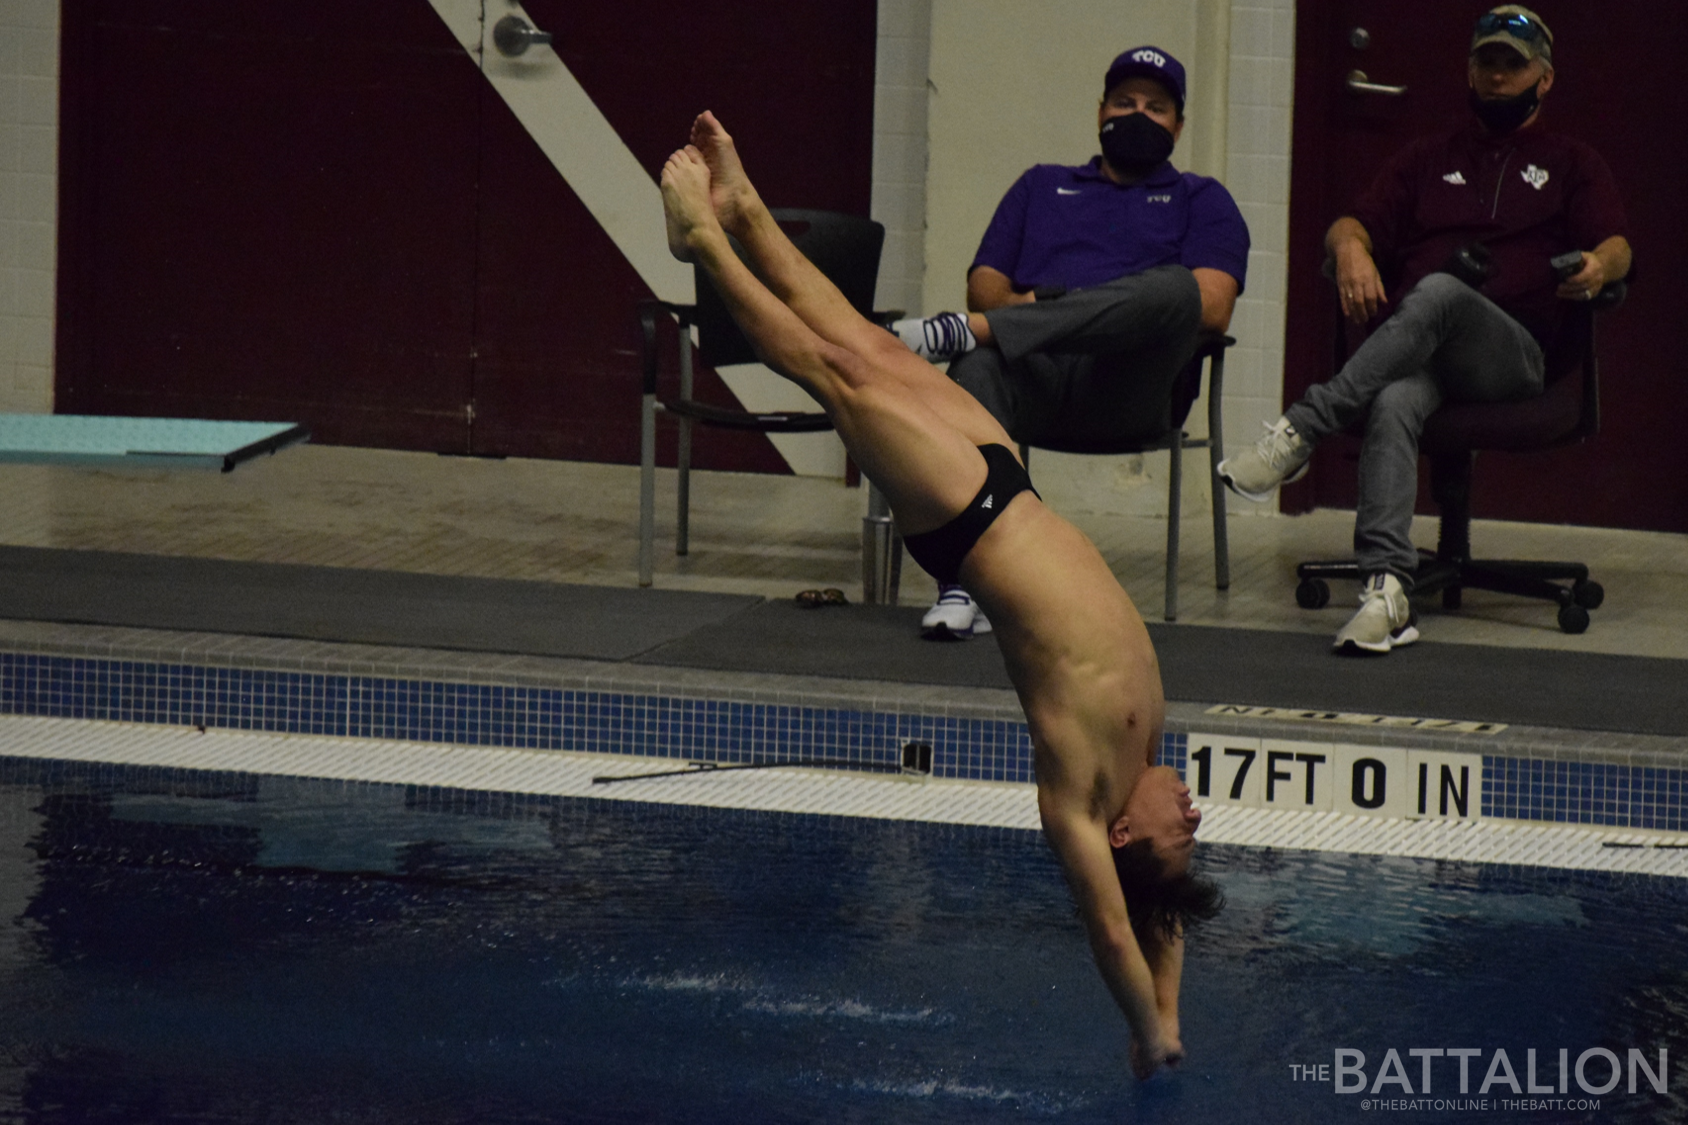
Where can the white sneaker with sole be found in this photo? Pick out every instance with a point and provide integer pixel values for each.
(1385, 619)
(955, 616)
(1278, 458)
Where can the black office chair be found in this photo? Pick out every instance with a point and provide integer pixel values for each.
(1566, 412)
(1210, 350)
(843, 247)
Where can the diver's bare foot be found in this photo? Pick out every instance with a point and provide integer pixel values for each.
(686, 209)
(730, 191)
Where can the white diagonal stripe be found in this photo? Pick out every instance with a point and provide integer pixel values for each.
(592, 158)
(602, 171)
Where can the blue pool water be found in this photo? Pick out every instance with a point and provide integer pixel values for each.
(191, 947)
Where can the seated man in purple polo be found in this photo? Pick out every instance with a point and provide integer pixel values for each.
(1090, 286)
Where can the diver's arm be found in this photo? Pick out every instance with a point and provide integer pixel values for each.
(1166, 964)
(1081, 844)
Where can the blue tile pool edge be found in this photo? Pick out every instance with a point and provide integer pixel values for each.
(692, 724)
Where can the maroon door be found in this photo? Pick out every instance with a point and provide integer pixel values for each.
(321, 212)
(239, 234)
(1614, 87)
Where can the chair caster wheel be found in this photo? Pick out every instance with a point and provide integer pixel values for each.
(1588, 593)
(1573, 618)
(1312, 593)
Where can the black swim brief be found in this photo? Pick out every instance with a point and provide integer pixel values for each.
(940, 551)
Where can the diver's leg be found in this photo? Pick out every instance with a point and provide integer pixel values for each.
(928, 465)
(795, 281)
(807, 292)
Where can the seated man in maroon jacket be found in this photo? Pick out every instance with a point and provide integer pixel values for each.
(1504, 182)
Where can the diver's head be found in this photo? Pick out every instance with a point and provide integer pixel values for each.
(1153, 840)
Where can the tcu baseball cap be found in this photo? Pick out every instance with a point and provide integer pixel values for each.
(1148, 62)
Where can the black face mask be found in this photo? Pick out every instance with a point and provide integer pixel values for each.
(1501, 116)
(1135, 143)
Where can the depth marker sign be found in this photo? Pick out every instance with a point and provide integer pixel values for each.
(1271, 773)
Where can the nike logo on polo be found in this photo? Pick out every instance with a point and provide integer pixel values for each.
(1454, 178)
(1068, 191)
(986, 502)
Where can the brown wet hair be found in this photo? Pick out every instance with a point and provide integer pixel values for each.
(1159, 902)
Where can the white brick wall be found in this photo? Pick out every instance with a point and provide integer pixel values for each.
(1257, 167)
(29, 110)
(899, 149)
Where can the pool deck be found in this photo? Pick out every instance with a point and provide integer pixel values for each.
(766, 538)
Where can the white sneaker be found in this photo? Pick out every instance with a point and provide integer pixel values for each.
(1278, 458)
(1385, 620)
(955, 616)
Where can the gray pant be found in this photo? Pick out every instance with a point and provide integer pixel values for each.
(1094, 365)
(1445, 341)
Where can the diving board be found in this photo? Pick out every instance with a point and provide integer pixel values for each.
(168, 443)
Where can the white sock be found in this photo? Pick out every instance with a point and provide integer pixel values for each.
(939, 337)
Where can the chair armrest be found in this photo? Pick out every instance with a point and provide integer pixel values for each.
(648, 345)
(648, 311)
(1609, 298)
(1611, 295)
(1210, 344)
(775, 422)
(1211, 347)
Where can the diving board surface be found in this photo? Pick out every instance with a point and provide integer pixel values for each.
(175, 443)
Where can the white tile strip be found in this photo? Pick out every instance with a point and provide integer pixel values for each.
(1525, 843)
(811, 791)
(539, 772)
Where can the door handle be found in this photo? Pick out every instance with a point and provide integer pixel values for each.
(513, 35)
(1357, 82)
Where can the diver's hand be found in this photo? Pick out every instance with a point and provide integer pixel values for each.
(1148, 1056)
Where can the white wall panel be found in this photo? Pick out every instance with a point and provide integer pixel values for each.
(29, 67)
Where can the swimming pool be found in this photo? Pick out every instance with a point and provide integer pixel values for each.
(219, 947)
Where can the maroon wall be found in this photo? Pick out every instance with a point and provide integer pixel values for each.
(321, 212)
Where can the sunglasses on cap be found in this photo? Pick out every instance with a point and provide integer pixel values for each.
(1512, 23)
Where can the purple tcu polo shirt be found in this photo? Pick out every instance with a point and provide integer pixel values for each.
(1073, 226)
